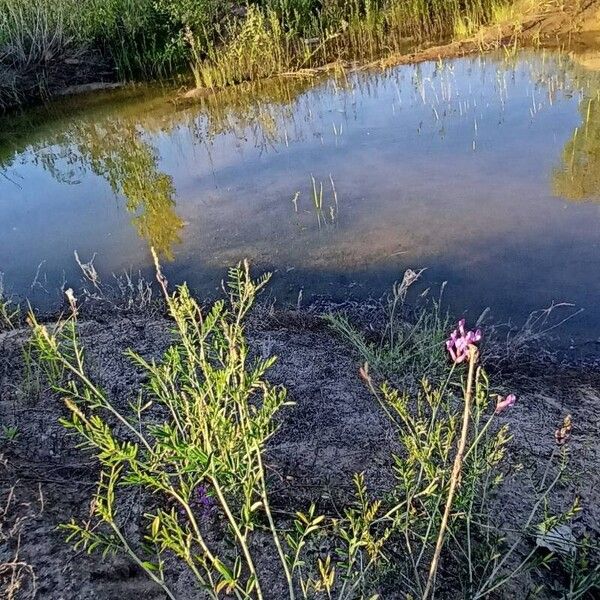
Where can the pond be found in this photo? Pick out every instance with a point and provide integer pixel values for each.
(485, 171)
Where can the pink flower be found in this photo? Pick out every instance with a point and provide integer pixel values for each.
(504, 403)
(460, 341)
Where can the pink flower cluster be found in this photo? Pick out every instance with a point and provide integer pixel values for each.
(460, 342)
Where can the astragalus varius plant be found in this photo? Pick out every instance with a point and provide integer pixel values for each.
(192, 444)
(193, 440)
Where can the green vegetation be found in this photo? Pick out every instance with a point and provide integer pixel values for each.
(47, 45)
(9, 311)
(578, 177)
(409, 347)
(191, 448)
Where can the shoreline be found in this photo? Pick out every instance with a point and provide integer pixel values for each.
(575, 24)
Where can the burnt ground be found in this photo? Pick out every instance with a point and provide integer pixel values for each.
(335, 429)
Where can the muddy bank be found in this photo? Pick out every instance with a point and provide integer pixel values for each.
(565, 25)
(336, 428)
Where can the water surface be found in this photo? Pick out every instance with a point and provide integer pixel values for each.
(483, 170)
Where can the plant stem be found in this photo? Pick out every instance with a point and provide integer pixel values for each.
(139, 562)
(238, 534)
(267, 508)
(454, 479)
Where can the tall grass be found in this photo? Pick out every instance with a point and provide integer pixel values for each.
(135, 34)
(223, 43)
(410, 344)
(287, 35)
(46, 45)
(32, 37)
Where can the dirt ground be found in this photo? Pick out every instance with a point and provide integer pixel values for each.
(335, 429)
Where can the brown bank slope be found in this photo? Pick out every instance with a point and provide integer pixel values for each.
(547, 23)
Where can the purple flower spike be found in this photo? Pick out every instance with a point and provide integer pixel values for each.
(460, 341)
(504, 403)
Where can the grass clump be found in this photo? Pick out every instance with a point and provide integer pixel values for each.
(47, 46)
(9, 311)
(193, 442)
(276, 36)
(408, 346)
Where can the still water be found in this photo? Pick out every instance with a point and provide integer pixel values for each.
(485, 171)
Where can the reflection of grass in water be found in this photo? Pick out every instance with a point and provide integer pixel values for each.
(113, 146)
(109, 133)
(263, 108)
(116, 151)
(119, 154)
(578, 177)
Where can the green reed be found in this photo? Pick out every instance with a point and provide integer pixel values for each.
(287, 35)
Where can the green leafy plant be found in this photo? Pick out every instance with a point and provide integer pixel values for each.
(193, 443)
(9, 432)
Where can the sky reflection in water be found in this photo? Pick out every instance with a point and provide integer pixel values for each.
(483, 171)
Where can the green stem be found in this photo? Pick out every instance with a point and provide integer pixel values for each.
(139, 562)
(104, 402)
(286, 569)
(485, 588)
(238, 534)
